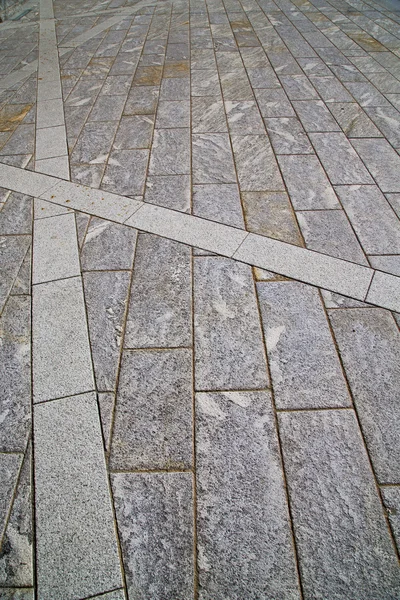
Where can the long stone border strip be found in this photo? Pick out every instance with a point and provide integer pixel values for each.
(308, 266)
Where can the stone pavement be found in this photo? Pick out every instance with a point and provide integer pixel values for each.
(200, 300)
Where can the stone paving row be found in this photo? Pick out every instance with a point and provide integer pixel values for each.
(202, 428)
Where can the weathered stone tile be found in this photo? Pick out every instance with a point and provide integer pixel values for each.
(218, 203)
(236, 87)
(254, 58)
(244, 118)
(51, 142)
(329, 232)
(203, 58)
(155, 522)
(228, 62)
(391, 500)
(330, 89)
(175, 88)
(270, 214)
(274, 103)
(106, 296)
(18, 593)
(390, 264)
(148, 76)
(108, 246)
(94, 143)
(115, 595)
(61, 355)
(339, 159)
(313, 66)
(255, 163)
(21, 142)
(84, 93)
(10, 465)
(208, 115)
(13, 250)
(263, 78)
(205, 82)
(160, 304)
(116, 85)
(288, 136)
(353, 120)
(368, 339)
(106, 402)
(348, 73)
(79, 559)
(212, 159)
(256, 519)
(298, 87)
(333, 300)
(229, 350)
(153, 414)
(16, 215)
(328, 472)
(134, 132)
(394, 201)
(387, 119)
(373, 219)
(386, 83)
(179, 69)
(315, 116)
(284, 63)
(171, 191)
(173, 114)
(304, 366)
(22, 283)
(125, 172)
(382, 161)
(307, 184)
(142, 101)
(16, 567)
(170, 154)
(366, 94)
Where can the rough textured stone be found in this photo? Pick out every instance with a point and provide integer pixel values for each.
(255, 163)
(391, 500)
(288, 136)
(353, 120)
(13, 250)
(170, 153)
(383, 162)
(16, 215)
(107, 246)
(244, 544)
(270, 214)
(342, 539)
(170, 191)
(10, 465)
(125, 172)
(315, 116)
(212, 159)
(218, 203)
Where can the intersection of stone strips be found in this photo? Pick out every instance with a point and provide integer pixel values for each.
(200, 300)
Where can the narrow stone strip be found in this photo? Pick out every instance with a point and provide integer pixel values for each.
(334, 274)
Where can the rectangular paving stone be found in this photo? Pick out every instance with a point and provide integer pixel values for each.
(270, 214)
(155, 522)
(229, 351)
(55, 249)
(387, 119)
(391, 500)
(81, 557)
(340, 161)
(170, 154)
(288, 136)
(298, 87)
(107, 246)
(49, 113)
(21, 141)
(142, 100)
(353, 120)
(134, 132)
(212, 159)
(385, 291)
(153, 414)
(307, 184)
(173, 114)
(274, 103)
(13, 250)
(304, 366)
(255, 521)
(315, 116)
(175, 88)
(170, 191)
(125, 172)
(219, 203)
(236, 86)
(208, 115)
(244, 117)
(367, 339)
(372, 217)
(51, 142)
(10, 465)
(160, 304)
(330, 89)
(255, 163)
(94, 143)
(205, 82)
(335, 505)
(61, 353)
(366, 94)
(382, 161)
(263, 77)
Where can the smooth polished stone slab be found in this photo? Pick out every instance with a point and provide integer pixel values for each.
(153, 414)
(228, 339)
(270, 214)
(77, 554)
(255, 163)
(107, 246)
(305, 367)
(245, 548)
(218, 202)
(338, 518)
(212, 160)
(154, 513)
(383, 162)
(170, 154)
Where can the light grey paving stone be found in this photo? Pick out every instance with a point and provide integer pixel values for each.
(332, 300)
(155, 523)
(205, 82)
(187, 229)
(10, 465)
(107, 108)
(208, 115)
(353, 120)
(390, 264)
(244, 117)
(386, 83)
(116, 85)
(212, 159)
(298, 87)
(50, 113)
(254, 58)
(80, 558)
(307, 183)
(21, 142)
(22, 283)
(245, 547)
(263, 78)
(170, 191)
(274, 103)
(94, 143)
(45, 209)
(58, 166)
(313, 66)
(366, 94)
(16, 560)
(55, 249)
(107, 246)
(368, 339)
(387, 119)
(391, 500)
(153, 413)
(170, 153)
(13, 250)
(175, 88)
(61, 354)
(142, 100)
(18, 593)
(347, 73)
(173, 114)
(339, 159)
(270, 214)
(115, 595)
(106, 402)
(15, 374)
(228, 62)
(315, 116)
(229, 350)
(304, 366)
(288, 136)
(329, 232)
(382, 161)
(106, 296)
(218, 203)
(16, 215)
(255, 163)
(385, 291)
(236, 86)
(125, 172)
(90, 175)
(134, 132)
(335, 504)
(374, 221)
(160, 303)
(50, 142)
(330, 89)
